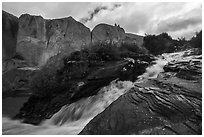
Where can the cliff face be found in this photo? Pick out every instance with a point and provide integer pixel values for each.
(40, 39)
(9, 40)
(105, 32)
(9, 35)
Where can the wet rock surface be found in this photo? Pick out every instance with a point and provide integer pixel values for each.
(170, 104)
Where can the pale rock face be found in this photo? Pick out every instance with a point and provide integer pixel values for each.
(40, 39)
(31, 26)
(67, 30)
(105, 32)
(9, 35)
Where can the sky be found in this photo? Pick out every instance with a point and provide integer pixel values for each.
(176, 18)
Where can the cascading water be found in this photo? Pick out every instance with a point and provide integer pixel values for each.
(71, 119)
(161, 61)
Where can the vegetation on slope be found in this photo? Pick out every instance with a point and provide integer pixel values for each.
(158, 44)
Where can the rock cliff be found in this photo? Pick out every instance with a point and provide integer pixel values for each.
(39, 39)
(109, 33)
(9, 37)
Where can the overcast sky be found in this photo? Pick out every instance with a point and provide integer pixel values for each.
(178, 19)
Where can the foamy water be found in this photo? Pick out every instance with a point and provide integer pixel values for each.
(71, 119)
(162, 60)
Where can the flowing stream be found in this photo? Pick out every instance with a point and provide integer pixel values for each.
(71, 119)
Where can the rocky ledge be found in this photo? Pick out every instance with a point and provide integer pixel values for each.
(170, 104)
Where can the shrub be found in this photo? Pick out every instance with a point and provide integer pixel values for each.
(197, 40)
(45, 83)
(158, 44)
(104, 51)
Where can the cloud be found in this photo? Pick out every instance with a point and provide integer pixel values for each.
(92, 14)
(174, 24)
(48, 10)
(96, 10)
(154, 18)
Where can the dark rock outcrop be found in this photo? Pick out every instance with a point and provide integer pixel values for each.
(9, 38)
(39, 39)
(109, 33)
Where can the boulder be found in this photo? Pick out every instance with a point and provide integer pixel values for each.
(109, 33)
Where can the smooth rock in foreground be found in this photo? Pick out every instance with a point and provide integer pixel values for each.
(151, 110)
